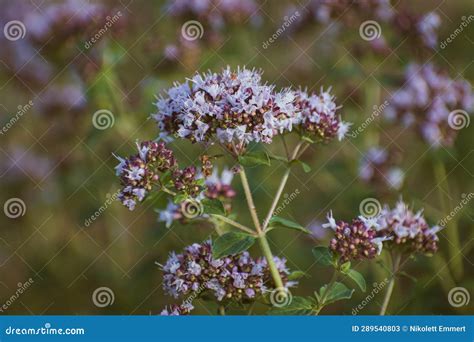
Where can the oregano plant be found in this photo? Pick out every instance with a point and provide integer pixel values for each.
(235, 114)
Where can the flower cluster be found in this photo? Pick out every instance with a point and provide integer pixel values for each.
(139, 173)
(237, 278)
(354, 241)
(324, 11)
(55, 30)
(236, 108)
(426, 101)
(220, 187)
(177, 310)
(62, 21)
(421, 28)
(216, 187)
(316, 115)
(407, 230)
(216, 13)
(378, 167)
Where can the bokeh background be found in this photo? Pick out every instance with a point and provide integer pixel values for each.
(60, 165)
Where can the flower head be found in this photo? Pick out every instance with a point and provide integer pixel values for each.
(236, 108)
(426, 101)
(317, 116)
(355, 240)
(140, 172)
(177, 310)
(407, 230)
(237, 278)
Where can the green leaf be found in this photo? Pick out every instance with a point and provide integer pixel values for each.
(213, 206)
(297, 275)
(251, 159)
(277, 221)
(306, 167)
(297, 306)
(279, 158)
(345, 267)
(323, 255)
(231, 243)
(337, 292)
(307, 139)
(179, 198)
(200, 181)
(318, 297)
(358, 279)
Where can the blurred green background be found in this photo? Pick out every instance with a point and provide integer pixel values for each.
(61, 166)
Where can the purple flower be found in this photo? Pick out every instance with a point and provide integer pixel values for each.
(426, 100)
(355, 240)
(140, 173)
(237, 278)
(236, 108)
(407, 230)
(177, 310)
(378, 167)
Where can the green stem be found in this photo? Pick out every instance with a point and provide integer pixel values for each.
(452, 232)
(261, 234)
(326, 293)
(281, 187)
(250, 202)
(265, 246)
(221, 310)
(234, 223)
(395, 268)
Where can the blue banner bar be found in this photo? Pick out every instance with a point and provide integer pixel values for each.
(237, 328)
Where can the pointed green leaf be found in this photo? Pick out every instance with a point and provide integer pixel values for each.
(296, 275)
(231, 243)
(323, 255)
(337, 292)
(279, 158)
(307, 139)
(306, 167)
(277, 221)
(358, 279)
(345, 267)
(213, 206)
(251, 159)
(179, 198)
